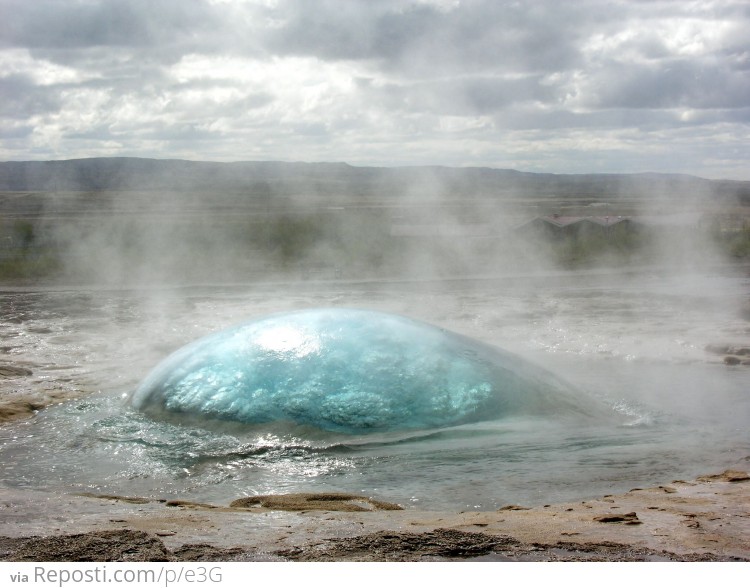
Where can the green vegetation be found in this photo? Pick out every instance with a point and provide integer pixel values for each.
(601, 248)
(291, 237)
(21, 267)
(735, 243)
(162, 238)
(22, 255)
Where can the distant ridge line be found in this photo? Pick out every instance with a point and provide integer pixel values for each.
(136, 173)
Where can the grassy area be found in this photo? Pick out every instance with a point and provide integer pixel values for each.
(593, 249)
(22, 256)
(185, 246)
(39, 265)
(735, 244)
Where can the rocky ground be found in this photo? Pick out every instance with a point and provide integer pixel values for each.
(707, 519)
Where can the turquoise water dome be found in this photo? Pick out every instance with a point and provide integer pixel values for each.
(349, 371)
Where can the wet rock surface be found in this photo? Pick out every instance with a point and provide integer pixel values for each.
(733, 354)
(384, 546)
(22, 399)
(450, 544)
(389, 546)
(14, 371)
(334, 501)
(125, 545)
(706, 519)
(629, 518)
(118, 545)
(726, 476)
(27, 387)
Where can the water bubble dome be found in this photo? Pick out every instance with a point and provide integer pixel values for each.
(349, 371)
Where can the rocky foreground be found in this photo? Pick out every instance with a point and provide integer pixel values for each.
(707, 519)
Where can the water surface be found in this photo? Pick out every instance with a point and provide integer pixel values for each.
(637, 346)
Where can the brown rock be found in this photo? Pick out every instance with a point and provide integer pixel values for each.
(315, 501)
(18, 408)
(628, 518)
(205, 552)
(14, 371)
(727, 350)
(395, 546)
(188, 504)
(119, 545)
(128, 499)
(727, 476)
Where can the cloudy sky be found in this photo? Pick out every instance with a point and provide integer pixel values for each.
(565, 87)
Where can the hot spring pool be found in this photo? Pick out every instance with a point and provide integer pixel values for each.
(672, 411)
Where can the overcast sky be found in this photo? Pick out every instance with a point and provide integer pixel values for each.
(559, 86)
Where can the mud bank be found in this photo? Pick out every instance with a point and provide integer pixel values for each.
(707, 519)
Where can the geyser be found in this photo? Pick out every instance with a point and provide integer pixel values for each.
(351, 371)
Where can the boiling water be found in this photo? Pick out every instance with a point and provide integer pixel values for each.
(634, 346)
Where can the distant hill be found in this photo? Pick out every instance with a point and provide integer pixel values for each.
(146, 221)
(136, 174)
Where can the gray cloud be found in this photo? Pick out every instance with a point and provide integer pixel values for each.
(670, 84)
(12, 133)
(53, 25)
(423, 40)
(466, 96)
(23, 98)
(477, 82)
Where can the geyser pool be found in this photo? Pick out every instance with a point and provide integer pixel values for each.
(628, 345)
(349, 371)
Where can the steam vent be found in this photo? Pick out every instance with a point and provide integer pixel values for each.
(350, 371)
